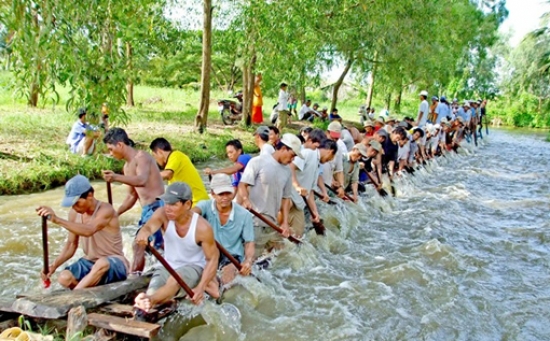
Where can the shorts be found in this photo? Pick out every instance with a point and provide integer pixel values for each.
(82, 267)
(225, 261)
(296, 221)
(146, 214)
(191, 275)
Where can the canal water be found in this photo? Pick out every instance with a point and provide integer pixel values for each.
(461, 253)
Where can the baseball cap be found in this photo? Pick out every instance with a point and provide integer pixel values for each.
(292, 142)
(177, 191)
(221, 183)
(424, 93)
(466, 103)
(335, 129)
(376, 145)
(382, 132)
(380, 119)
(362, 149)
(262, 130)
(434, 98)
(74, 188)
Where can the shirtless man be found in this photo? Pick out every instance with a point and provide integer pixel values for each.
(190, 249)
(144, 181)
(95, 225)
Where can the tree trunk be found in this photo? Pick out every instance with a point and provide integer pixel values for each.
(388, 101)
(202, 116)
(248, 90)
(338, 84)
(130, 83)
(398, 101)
(33, 99)
(371, 87)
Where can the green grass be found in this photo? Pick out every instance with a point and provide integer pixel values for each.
(34, 156)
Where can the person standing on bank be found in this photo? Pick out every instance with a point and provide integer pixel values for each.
(257, 101)
(94, 225)
(423, 110)
(144, 181)
(282, 107)
(178, 167)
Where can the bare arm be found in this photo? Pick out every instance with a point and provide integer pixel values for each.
(151, 226)
(228, 170)
(167, 174)
(101, 219)
(249, 251)
(129, 201)
(312, 205)
(205, 237)
(243, 194)
(143, 168)
(67, 253)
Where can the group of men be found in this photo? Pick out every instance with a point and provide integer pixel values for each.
(280, 184)
(181, 219)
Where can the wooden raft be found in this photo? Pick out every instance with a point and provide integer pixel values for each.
(55, 305)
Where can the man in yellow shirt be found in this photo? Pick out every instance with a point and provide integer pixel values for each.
(178, 167)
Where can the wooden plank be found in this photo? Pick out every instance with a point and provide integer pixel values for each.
(57, 304)
(6, 305)
(76, 322)
(124, 310)
(122, 325)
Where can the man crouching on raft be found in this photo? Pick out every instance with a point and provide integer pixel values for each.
(95, 225)
(189, 248)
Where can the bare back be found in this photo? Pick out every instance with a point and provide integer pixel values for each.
(144, 164)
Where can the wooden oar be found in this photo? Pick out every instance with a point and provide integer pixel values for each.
(229, 256)
(319, 227)
(47, 281)
(109, 193)
(171, 271)
(346, 197)
(380, 191)
(273, 226)
(320, 196)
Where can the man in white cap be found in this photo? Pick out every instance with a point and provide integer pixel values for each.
(423, 110)
(332, 172)
(351, 169)
(93, 224)
(261, 139)
(232, 226)
(266, 187)
(189, 248)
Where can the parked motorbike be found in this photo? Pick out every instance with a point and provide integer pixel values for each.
(231, 110)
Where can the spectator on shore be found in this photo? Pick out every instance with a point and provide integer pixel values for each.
(257, 101)
(306, 113)
(334, 116)
(82, 138)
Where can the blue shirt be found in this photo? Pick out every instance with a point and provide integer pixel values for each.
(462, 113)
(78, 132)
(243, 160)
(237, 230)
(442, 110)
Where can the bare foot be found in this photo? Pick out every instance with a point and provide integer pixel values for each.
(143, 302)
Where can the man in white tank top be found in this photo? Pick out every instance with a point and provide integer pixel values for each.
(189, 248)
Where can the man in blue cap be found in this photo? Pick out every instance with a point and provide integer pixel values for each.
(95, 225)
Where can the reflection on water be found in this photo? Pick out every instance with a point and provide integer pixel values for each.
(460, 254)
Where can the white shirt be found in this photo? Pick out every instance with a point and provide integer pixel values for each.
(283, 100)
(424, 109)
(304, 110)
(267, 149)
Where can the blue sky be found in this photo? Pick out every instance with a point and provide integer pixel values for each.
(523, 17)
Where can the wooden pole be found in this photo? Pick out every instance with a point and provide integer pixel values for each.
(273, 226)
(318, 195)
(382, 191)
(347, 197)
(171, 271)
(109, 193)
(319, 227)
(46, 282)
(229, 256)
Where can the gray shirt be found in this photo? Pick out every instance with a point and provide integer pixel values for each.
(306, 174)
(347, 139)
(351, 171)
(269, 182)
